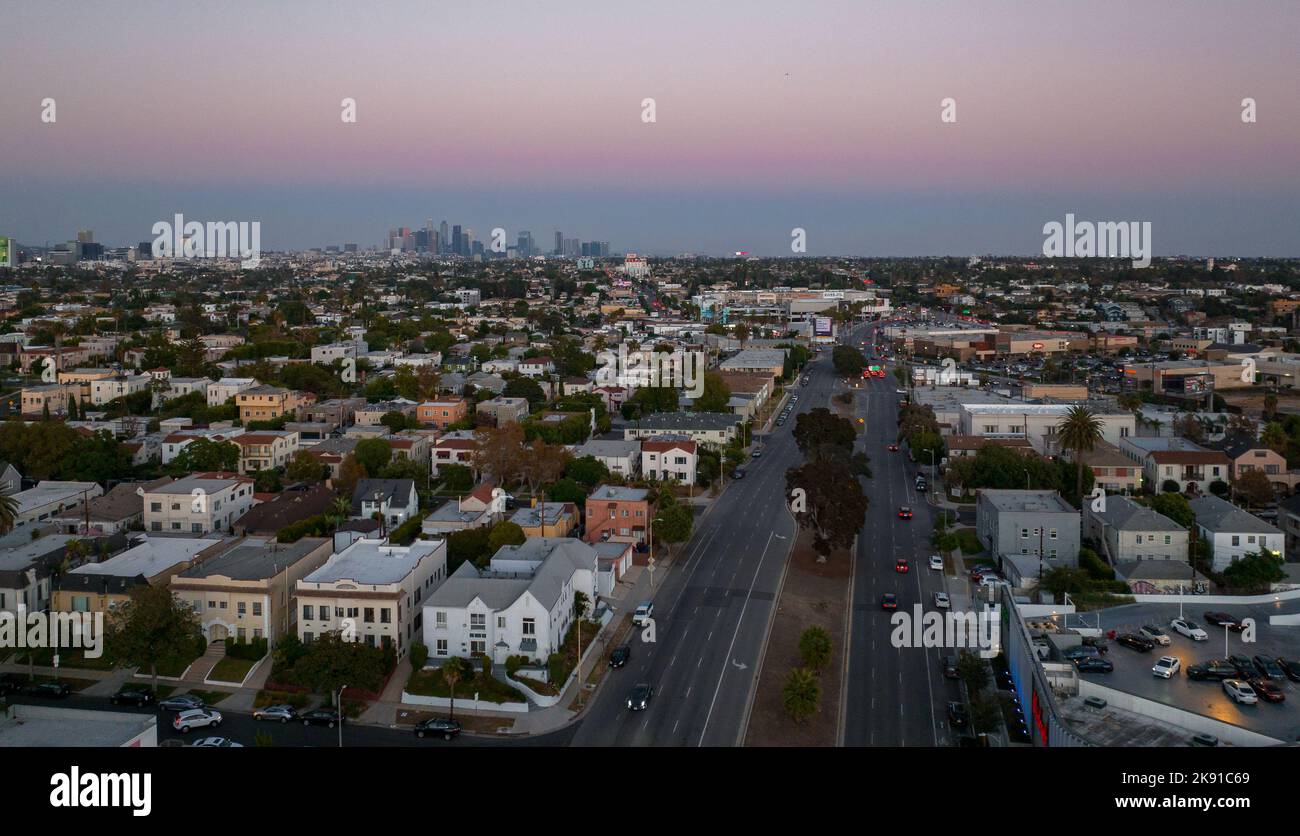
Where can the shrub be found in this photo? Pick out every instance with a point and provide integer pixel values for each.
(247, 650)
(419, 655)
(1169, 486)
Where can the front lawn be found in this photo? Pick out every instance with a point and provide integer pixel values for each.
(429, 683)
(231, 670)
(970, 542)
(561, 664)
(68, 658)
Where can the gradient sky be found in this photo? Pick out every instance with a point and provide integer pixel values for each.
(771, 115)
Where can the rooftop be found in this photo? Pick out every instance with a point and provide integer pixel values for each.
(375, 562)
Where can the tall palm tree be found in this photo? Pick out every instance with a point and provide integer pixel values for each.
(1079, 430)
(8, 511)
(453, 670)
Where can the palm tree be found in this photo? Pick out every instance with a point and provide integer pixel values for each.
(339, 510)
(1079, 430)
(8, 511)
(453, 670)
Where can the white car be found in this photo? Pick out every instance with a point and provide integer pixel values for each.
(1155, 634)
(1240, 691)
(936, 562)
(1189, 628)
(1166, 666)
(941, 600)
(644, 611)
(196, 718)
(217, 743)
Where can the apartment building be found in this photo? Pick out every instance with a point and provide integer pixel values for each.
(1233, 533)
(457, 447)
(373, 592)
(713, 430)
(101, 587)
(198, 504)
(111, 388)
(1193, 471)
(669, 459)
(228, 387)
(1128, 531)
(618, 514)
(443, 412)
(265, 449)
(52, 499)
(620, 456)
(266, 403)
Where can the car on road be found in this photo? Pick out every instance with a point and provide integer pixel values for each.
(639, 699)
(889, 601)
(1291, 667)
(1222, 619)
(958, 715)
(757, 454)
(1266, 689)
(1268, 666)
(282, 712)
(893, 448)
(1135, 642)
(1094, 664)
(1220, 669)
(321, 717)
(444, 726)
(49, 690)
(941, 600)
(901, 565)
(920, 485)
(936, 562)
(904, 512)
(949, 667)
(1240, 692)
(1166, 666)
(780, 421)
(216, 743)
(618, 656)
(644, 611)
(181, 702)
(738, 473)
(1155, 634)
(1205, 740)
(196, 718)
(1190, 629)
(132, 696)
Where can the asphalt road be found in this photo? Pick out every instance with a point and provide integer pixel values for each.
(713, 611)
(895, 696)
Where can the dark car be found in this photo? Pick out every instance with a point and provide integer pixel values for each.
(9, 685)
(904, 513)
(445, 726)
(1269, 667)
(1094, 664)
(52, 690)
(889, 601)
(950, 667)
(738, 473)
(1266, 690)
(639, 699)
(1292, 668)
(132, 696)
(181, 702)
(901, 565)
(1215, 669)
(1204, 740)
(618, 656)
(958, 715)
(1245, 667)
(1135, 642)
(320, 717)
(1080, 651)
(1222, 619)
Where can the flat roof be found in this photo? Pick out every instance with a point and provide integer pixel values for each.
(149, 558)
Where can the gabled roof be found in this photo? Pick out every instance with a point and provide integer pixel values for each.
(1217, 515)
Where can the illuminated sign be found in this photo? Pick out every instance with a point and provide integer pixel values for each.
(1038, 346)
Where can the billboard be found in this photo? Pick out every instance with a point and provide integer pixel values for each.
(822, 326)
(6, 251)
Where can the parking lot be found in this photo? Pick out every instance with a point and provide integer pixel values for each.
(1133, 669)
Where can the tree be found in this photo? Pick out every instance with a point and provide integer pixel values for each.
(673, 523)
(973, 671)
(505, 533)
(1062, 579)
(1254, 487)
(331, 662)
(153, 626)
(525, 387)
(304, 467)
(801, 694)
(453, 671)
(396, 421)
(1079, 430)
(373, 454)
(716, 395)
(1254, 572)
(456, 477)
(204, 455)
(541, 463)
(1174, 506)
(351, 472)
(848, 361)
(985, 713)
(587, 470)
(499, 453)
(815, 648)
(1190, 428)
(567, 490)
(833, 502)
(8, 511)
(820, 432)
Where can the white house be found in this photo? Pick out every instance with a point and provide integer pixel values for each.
(669, 459)
(620, 456)
(1232, 533)
(393, 499)
(227, 387)
(520, 604)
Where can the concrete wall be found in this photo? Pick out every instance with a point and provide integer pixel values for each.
(1226, 732)
(1268, 598)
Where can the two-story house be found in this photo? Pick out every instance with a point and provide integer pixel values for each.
(198, 504)
(1233, 533)
(618, 514)
(669, 459)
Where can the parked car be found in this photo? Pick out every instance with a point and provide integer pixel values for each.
(1166, 666)
(282, 712)
(445, 726)
(216, 743)
(321, 717)
(1240, 692)
(1266, 689)
(1245, 667)
(132, 696)
(1291, 667)
(1080, 651)
(181, 702)
(1222, 619)
(644, 611)
(1189, 628)
(889, 601)
(1204, 740)
(49, 690)
(936, 562)
(941, 601)
(1219, 669)
(196, 718)
(639, 699)
(1155, 634)
(958, 715)
(1135, 642)
(618, 656)
(738, 473)
(1269, 667)
(1094, 664)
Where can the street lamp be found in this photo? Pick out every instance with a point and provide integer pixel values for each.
(338, 706)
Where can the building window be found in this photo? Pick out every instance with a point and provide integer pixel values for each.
(307, 612)
(530, 627)
(440, 619)
(441, 647)
(477, 621)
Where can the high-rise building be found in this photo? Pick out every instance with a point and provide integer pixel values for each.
(85, 236)
(559, 243)
(443, 235)
(458, 241)
(525, 245)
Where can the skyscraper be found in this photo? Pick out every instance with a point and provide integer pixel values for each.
(559, 243)
(443, 236)
(457, 241)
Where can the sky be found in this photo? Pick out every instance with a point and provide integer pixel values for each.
(769, 116)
